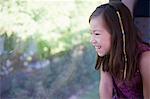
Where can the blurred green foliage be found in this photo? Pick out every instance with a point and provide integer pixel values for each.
(53, 34)
(60, 24)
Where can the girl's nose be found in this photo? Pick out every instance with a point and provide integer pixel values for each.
(93, 41)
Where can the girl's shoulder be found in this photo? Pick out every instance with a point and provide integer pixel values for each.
(145, 68)
(144, 56)
(143, 47)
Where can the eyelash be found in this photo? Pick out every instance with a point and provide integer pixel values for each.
(97, 34)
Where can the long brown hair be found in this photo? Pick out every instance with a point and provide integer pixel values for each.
(114, 61)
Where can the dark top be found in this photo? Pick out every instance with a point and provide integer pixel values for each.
(132, 89)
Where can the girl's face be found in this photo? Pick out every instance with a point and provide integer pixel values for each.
(100, 37)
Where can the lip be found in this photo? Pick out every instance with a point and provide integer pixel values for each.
(97, 47)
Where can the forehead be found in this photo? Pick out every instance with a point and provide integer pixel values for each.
(97, 23)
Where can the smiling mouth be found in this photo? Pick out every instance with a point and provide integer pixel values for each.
(99, 47)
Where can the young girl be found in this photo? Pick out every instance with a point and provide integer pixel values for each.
(123, 58)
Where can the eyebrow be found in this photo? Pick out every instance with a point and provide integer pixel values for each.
(95, 30)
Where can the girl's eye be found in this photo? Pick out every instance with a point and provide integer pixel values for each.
(97, 34)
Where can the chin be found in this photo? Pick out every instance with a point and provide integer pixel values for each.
(101, 54)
